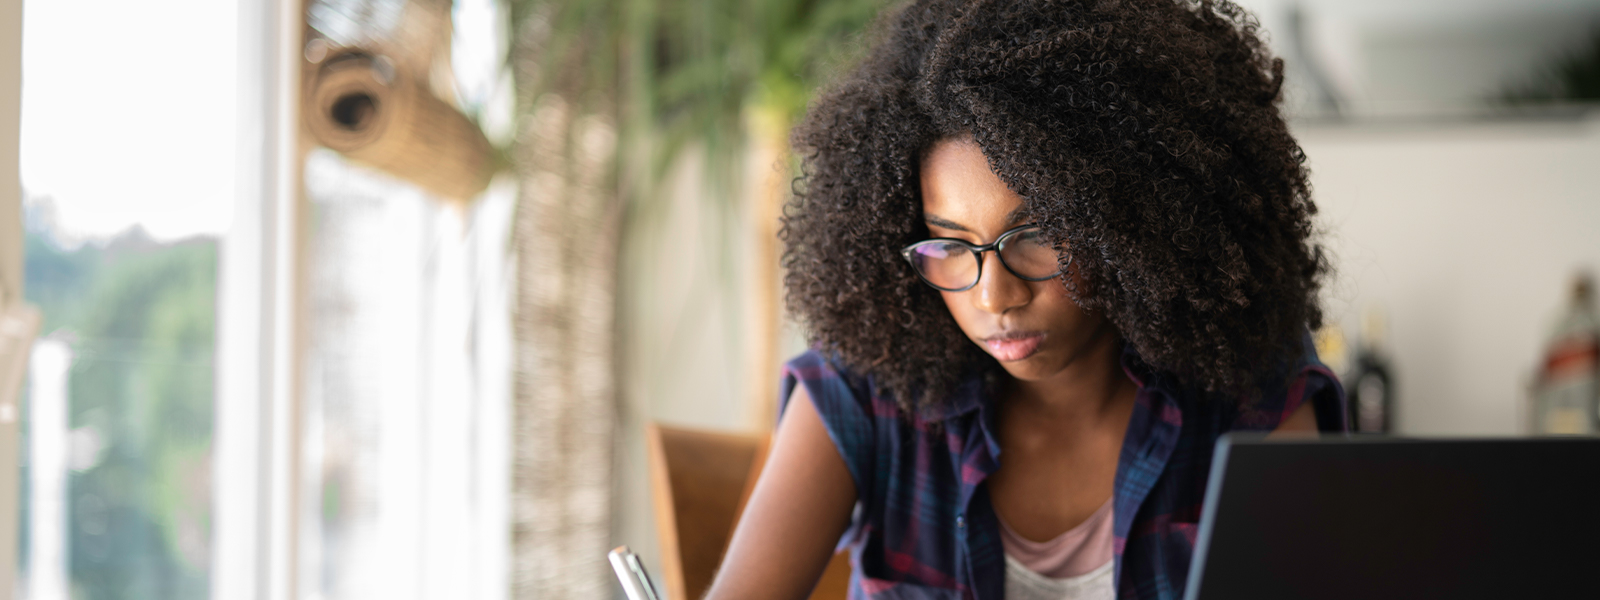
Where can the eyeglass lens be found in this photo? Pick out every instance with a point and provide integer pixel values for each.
(951, 265)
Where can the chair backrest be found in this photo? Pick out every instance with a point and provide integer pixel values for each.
(699, 483)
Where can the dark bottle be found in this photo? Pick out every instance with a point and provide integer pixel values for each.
(1369, 384)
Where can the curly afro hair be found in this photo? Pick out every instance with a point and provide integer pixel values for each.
(1144, 138)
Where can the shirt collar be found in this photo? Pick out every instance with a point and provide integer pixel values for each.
(967, 398)
(1134, 366)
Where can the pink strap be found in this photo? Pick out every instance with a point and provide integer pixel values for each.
(1078, 551)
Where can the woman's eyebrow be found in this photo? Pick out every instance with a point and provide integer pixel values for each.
(936, 221)
(1017, 216)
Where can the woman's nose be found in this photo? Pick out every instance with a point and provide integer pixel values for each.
(998, 290)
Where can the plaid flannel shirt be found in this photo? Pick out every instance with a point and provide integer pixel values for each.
(923, 525)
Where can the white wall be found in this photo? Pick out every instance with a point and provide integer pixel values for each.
(681, 347)
(1467, 235)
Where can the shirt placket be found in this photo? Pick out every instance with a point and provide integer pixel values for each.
(1152, 435)
(982, 559)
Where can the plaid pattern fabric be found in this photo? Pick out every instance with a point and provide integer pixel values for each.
(923, 526)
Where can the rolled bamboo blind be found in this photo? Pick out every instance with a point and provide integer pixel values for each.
(360, 105)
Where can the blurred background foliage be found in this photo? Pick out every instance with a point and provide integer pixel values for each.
(642, 250)
(140, 316)
(674, 74)
(1568, 77)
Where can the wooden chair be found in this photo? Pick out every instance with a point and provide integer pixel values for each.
(699, 483)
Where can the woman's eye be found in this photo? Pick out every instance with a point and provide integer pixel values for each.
(1030, 238)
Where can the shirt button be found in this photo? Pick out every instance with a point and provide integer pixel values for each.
(961, 521)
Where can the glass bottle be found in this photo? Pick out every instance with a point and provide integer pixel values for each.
(1565, 388)
(1369, 383)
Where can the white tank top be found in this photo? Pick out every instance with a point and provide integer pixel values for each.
(1076, 565)
(1024, 584)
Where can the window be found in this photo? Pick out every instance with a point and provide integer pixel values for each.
(127, 168)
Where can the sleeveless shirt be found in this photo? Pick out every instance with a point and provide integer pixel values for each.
(923, 525)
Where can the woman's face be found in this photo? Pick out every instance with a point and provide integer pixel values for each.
(1033, 328)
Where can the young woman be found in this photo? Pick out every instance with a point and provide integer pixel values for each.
(1047, 251)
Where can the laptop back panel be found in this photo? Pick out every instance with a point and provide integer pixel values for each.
(1387, 518)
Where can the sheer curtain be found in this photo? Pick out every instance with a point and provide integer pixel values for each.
(405, 434)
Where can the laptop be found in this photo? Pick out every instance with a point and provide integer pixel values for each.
(1377, 518)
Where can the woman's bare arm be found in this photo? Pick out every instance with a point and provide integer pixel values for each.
(1301, 424)
(800, 506)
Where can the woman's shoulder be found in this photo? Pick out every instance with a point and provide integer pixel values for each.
(1296, 381)
(863, 423)
(820, 374)
(1301, 380)
(831, 381)
(844, 397)
(815, 365)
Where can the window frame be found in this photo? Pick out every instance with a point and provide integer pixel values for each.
(259, 300)
(18, 322)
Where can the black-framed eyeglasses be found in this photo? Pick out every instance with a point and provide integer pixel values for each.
(954, 265)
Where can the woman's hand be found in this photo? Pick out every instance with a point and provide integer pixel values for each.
(800, 506)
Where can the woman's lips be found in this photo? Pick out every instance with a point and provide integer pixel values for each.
(1008, 347)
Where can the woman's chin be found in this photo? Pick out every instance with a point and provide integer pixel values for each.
(1031, 368)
